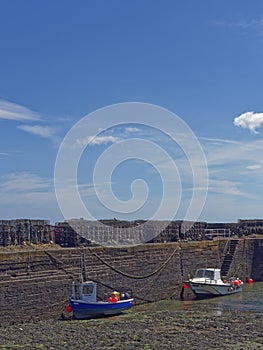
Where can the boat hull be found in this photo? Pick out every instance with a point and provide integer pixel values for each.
(212, 289)
(83, 310)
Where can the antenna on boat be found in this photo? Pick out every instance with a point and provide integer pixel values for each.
(83, 266)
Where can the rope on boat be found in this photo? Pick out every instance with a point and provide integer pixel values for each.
(129, 275)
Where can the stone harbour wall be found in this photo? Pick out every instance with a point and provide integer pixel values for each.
(36, 284)
(116, 232)
(257, 260)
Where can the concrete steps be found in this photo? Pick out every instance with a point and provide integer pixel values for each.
(225, 267)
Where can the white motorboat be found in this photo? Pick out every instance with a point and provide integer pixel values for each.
(208, 282)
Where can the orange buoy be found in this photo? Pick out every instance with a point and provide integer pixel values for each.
(250, 280)
(69, 308)
(236, 283)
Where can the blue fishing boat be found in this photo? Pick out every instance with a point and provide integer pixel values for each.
(84, 303)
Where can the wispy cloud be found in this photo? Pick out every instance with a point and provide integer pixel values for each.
(226, 187)
(38, 130)
(13, 111)
(235, 168)
(219, 141)
(249, 120)
(254, 167)
(97, 140)
(23, 183)
(132, 130)
(28, 195)
(255, 24)
(232, 153)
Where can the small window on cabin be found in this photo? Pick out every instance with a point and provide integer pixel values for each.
(199, 273)
(209, 274)
(88, 289)
(76, 291)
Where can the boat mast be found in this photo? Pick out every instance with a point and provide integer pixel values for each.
(83, 266)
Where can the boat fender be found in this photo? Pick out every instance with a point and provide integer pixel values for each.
(235, 282)
(127, 295)
(116, 295)
(112, 299)
(69, 308)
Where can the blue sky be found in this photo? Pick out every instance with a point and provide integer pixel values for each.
(61, 60)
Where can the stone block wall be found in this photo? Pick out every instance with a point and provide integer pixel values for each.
(20, 231)
(37, 284)
(257, 260)
(115, 232)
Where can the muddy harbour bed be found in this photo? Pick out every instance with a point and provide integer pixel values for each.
(232, 322)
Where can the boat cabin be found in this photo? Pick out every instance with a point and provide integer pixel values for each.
(86, 291)
(212, 274)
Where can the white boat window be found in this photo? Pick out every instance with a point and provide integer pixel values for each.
(88, 289)
(204, 274)
(75, 291)
(209, 274)
(199, 273)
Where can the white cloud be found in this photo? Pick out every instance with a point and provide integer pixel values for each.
(43, 131)
(235, 169)
(229, 153)
(234, 158)
(254, 167)
(13, 111)
(218, 141)
(23, 182)
(253, 24)
(97, 140)
(28, 195)
(131, 130)
(226, 187)
(249, 120)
